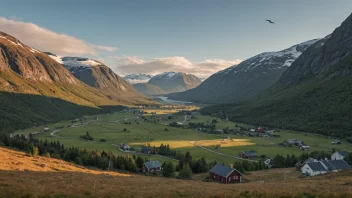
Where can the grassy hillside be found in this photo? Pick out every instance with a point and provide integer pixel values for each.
(148, 89)
(24, 176)
(20, 111)
(319, 107)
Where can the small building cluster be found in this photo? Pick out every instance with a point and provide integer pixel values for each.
(294, 142)
(323, 166)
(125, 147)
(312, 167)
(148, 150)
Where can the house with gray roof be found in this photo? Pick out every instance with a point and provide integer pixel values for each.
(339, 155)
(323, 166)
(294, 142)
(151, 167)
(335, 165)
(225, 174)
(249, 154)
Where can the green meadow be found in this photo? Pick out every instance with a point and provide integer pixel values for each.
(124, 127)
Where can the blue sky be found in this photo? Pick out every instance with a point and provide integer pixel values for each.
(196, 30)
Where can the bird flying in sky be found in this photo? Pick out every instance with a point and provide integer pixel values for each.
(270, 21)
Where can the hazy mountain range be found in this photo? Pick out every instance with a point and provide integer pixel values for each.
(167, 82)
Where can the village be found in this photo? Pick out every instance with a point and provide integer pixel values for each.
(187, 130)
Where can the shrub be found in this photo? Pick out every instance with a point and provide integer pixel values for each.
(185, 172)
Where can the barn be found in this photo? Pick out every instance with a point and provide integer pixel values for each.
(225, 174)
(151, 167)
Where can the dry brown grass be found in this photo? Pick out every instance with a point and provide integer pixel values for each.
(25, 176)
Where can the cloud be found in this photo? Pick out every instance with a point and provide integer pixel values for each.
(105, 48)
(203, 69)
(47, 40)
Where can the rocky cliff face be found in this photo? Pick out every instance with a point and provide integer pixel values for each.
(326, 59)
(30, 63)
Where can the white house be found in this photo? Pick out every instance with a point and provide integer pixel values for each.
(313, 168)
(125, 147)
(339, 155)
(324, 166)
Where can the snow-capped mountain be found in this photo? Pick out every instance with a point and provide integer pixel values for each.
(175, 81)
(98, 75)
(246, 79)
(75, 64)
(137, 78)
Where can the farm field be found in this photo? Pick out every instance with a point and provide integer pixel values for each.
(127, 127)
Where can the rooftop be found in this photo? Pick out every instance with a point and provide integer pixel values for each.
(222, 170)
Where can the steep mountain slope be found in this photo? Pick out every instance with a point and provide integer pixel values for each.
(148, 89)
(175, 81)
(137, 78)
(98, 75)
(26, 70)
(246, 79)
(313, 95)
(34, 89)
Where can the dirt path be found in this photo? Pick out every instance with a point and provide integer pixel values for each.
(223, 154)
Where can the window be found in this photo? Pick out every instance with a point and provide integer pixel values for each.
(229, 178)
(234, 177)
(214, 177)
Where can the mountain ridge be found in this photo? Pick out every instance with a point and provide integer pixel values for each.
(313, 95)
(242, 81)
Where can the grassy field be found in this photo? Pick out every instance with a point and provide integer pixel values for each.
(115, 129)
(22, 175)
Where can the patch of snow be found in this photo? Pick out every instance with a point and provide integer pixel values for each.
(34, 50)
(168, 75)
(56, 58)
(75, 62)
(15, 43)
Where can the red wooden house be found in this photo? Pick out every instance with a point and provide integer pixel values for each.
(260, 130)
(225, 174)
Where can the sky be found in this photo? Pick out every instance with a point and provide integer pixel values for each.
(154, 36)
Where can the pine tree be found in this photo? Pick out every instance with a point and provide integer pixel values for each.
(185, 172)
(168, 170)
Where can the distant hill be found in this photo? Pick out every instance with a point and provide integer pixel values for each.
(243, 81)
(171, 82)
(148, 89)
(314, 94)
(137, 78)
